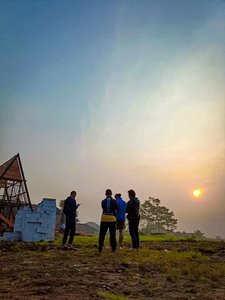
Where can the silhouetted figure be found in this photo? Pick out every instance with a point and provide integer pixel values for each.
(108, 220)
(70, 207)
(133, 217)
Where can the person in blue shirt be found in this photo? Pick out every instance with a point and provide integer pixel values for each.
(120, 217)
(70, 208)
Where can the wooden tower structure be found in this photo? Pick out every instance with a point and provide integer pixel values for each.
(13, 191)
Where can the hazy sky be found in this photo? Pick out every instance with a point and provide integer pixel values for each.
(117, 94)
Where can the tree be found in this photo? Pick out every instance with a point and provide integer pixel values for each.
(218, 238)
(169, 222)
(61, 203)
(198, 234)
(147, 215)
(157, 212)
(154, 216)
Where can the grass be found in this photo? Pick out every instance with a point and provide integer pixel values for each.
(197, 271)
(174, 264)
(81, 241)
(158, 238)
(108, 295)
(150, 272)
(84, 241)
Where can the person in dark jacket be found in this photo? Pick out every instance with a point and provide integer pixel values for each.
(70, 207)
(108, 220)
(133, 217)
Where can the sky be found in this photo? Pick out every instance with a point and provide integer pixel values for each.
(117, 94)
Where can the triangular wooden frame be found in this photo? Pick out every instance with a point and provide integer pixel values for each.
(15, 193)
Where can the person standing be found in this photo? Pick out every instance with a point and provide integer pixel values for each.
(108, 220)
(69, 209)
(120, 217)
(133, 217)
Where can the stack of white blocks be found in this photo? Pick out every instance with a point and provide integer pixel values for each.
(35, 226)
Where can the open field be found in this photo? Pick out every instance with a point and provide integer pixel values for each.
(188, 269)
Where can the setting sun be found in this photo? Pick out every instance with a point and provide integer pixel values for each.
(197, 193)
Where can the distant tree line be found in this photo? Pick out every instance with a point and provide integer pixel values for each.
(155, 218)
(197, 234)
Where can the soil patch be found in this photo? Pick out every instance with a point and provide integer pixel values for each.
(186, 270)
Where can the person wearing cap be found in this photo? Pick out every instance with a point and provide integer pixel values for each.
(108, 220)
(120, 217)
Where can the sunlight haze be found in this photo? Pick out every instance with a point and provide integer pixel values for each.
(120, 95)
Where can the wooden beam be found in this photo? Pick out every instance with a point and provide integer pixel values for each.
(6, 221)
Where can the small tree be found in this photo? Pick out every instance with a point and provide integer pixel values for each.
(218, 238)
(147, 215)
(169, 221)
(198, 234)
(61, 203)
(156, 216)
(157, 212)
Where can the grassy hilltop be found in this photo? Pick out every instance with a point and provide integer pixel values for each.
(164, 268)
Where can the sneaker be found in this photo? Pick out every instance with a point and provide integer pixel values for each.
(70, 247)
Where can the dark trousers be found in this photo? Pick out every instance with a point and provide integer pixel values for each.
(70, 226)
(133, 229)
(112, 231)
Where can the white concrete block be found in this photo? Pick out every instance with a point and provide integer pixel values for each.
(17, 227)
(12, 236)
(35, 226)
(50, 226)
(19, 214)
(25, 220)
(29, 215)
(18, 220)
(40, 235)
(50, 205)
(18, 232)
(46, 225)
(27, 237)
(25, 208)
(36, 239)
(49, 201)
(43, 215)
(48, 212)
(42, 220)
(31, 227)
(33, 220)
(43, 230)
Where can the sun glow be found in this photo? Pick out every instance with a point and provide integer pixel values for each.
(197, 193)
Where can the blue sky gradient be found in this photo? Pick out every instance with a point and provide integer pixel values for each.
(117, 94)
